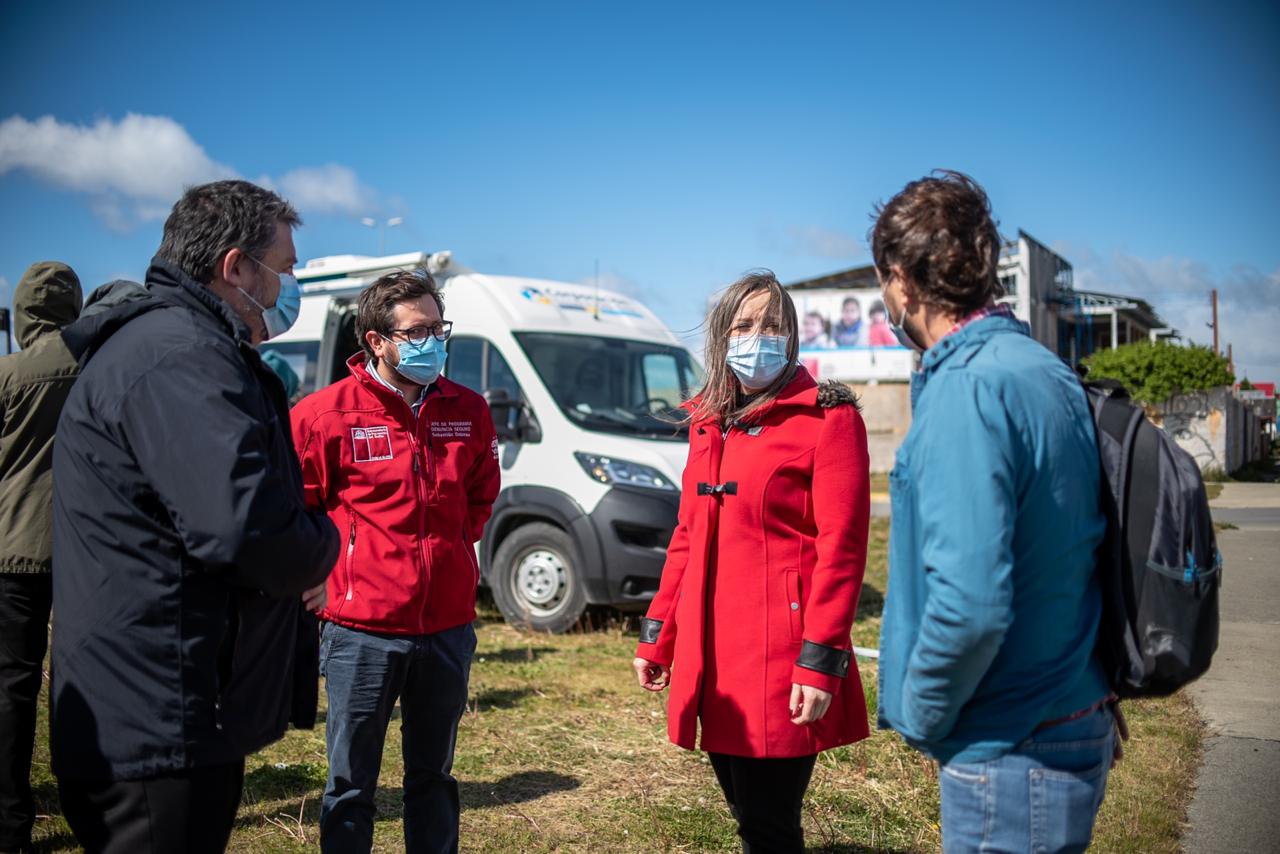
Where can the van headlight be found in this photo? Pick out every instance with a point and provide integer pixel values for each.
(614, 471)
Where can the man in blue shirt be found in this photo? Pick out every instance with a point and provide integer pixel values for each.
(987, 660)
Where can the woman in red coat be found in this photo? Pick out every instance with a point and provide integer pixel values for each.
(750, 626)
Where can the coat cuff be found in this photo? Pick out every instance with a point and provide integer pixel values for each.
(652, 647)
(649, 630)
(822, 666)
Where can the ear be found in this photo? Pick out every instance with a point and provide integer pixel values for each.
(375, 342)
(234, 268)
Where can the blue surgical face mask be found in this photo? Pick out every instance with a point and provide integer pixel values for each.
(898, 329)
(904, 337)
(420, 363)
(280, 317)
(757, 360)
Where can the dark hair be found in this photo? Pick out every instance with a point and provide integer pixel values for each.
(212, 219)
(719, 396)
(939, 232)
(877, 307)
(848, 301)
(375, 312)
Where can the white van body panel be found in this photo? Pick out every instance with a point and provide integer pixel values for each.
(496, 309)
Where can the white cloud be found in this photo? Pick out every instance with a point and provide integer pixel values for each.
(1179, 290)
(132, 170)
(331, 188)
(139, 157)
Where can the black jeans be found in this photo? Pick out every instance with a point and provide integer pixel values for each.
(24, 636)
(186, 811)
(765, 796)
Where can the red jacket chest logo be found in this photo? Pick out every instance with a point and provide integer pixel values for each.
(371, 444)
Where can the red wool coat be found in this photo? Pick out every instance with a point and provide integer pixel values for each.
(762, 577)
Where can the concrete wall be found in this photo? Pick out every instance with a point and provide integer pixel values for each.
(1219, 430)
(886, 410)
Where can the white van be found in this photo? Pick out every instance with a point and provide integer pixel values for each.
(583, 386)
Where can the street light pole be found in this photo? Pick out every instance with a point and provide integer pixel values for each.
(382, 228)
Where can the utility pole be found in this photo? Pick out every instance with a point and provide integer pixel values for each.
(1214, 297)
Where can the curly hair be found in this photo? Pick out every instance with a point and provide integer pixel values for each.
(940, 233)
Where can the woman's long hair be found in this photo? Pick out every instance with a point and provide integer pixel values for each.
(721, 397)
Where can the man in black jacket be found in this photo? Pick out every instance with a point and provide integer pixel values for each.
(181, 540)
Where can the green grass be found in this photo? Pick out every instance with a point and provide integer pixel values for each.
(559, 750)
(1266, 470)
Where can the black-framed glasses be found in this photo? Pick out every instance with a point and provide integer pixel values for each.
(418, 335)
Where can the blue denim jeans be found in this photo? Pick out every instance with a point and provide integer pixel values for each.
(364, 675)
(1042, 797)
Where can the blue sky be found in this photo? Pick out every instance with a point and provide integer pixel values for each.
(677, 144)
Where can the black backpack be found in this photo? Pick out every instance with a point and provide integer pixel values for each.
(1159, 565)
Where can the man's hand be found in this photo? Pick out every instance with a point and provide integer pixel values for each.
(1122, 728)
(315, 598)
(652, 676)
(808, 704)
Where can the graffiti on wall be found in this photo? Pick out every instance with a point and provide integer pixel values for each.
(1196, 424)
(1218, 430)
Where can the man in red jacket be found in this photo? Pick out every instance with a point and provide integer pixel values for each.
(406, 463)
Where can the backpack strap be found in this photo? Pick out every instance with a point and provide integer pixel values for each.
(1140, 504)
(1120, 419)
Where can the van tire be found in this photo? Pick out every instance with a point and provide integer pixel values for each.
(536, 580)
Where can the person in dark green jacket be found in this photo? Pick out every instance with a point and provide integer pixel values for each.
(34, 383)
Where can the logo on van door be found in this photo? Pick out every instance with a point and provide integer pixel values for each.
(371, 444)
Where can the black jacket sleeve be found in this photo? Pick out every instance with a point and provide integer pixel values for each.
(219, 459)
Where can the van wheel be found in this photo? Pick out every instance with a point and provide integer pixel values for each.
(534, 580)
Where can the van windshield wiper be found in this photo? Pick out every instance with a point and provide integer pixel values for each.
(629, 424)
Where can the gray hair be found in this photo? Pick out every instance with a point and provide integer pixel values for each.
(212, 219)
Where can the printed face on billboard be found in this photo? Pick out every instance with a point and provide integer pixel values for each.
(845, 335)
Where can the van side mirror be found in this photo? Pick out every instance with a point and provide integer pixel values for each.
(512, 419)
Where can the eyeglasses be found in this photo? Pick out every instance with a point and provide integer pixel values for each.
(417, 336)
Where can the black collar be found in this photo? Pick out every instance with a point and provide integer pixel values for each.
(171, 284)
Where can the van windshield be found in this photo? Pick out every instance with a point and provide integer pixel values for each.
(613, 385)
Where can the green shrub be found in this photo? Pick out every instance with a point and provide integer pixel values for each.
(1154, 372)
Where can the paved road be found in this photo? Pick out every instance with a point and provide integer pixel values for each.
(1236, 809)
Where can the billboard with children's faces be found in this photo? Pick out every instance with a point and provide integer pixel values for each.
(845, 335)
